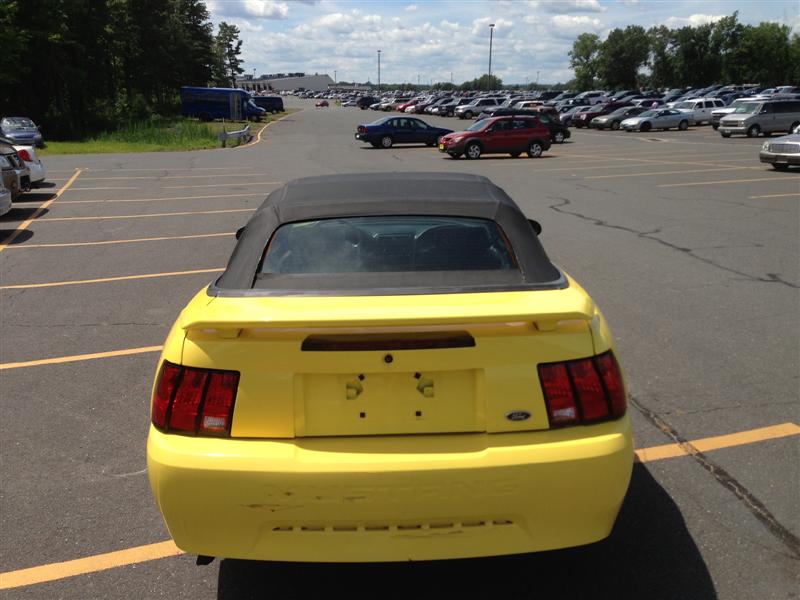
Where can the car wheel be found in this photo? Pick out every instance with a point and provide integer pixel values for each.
(715, 126)
(725, 134)
(779, 167)
(386, 141)
(614, 125)
(753, 131)
(535, 149)
(683, 125)
(468, 115)
(558, 137)
(645, 127)
(473, 151)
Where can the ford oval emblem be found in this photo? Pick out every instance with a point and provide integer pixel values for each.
(518, 415)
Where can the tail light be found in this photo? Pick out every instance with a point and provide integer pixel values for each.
(362, 129)
(25, 155)
(583, 391)
(194, 401)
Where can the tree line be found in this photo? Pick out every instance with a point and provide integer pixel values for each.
(725, 51)
(78, 67)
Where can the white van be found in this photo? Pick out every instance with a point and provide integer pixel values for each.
(699, 108)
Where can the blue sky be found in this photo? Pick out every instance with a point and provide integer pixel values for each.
(430, 39)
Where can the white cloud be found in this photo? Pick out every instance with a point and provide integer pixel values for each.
(693, 20)
(630, 2)
(576, 22)
(572, 6)
(412, 8)
(480, 27)
(259, 9)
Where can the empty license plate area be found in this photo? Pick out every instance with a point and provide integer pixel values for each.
(387, 403)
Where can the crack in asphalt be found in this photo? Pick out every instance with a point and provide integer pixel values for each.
(648, 235)
(753, 504)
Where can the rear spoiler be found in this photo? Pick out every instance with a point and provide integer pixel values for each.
(545, 308)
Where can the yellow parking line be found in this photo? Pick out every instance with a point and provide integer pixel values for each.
(774, 196)
(24, 225)
(166, 549)
(148, 215)
(214, 176)
(261, 131)
(129, 241)
(79, 357)
(718, 442)
(157, 199)
(91, 189)
(27, 286)
(670, 172)
(208, 185)
(90, 564)
(669, 185)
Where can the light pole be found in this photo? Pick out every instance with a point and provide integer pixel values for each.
(491, 35)
(379, 72)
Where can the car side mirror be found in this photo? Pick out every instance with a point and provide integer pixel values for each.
(537, 227)
(239, 232)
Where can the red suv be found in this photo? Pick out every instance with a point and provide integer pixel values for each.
(498, 135)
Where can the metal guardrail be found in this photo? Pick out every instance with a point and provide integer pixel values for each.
(243, 134)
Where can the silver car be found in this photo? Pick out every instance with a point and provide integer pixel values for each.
(660, 118)
(5, 199)
(754, 118)
(783, 151)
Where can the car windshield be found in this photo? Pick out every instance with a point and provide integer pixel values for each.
(387, 244)
(684, 105)
(620, 111)
(17, 123)
(746, 108)
(477, 125)
(650, 113)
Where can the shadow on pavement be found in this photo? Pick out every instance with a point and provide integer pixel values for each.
(650, 554)
(34, 197)
(22, 213)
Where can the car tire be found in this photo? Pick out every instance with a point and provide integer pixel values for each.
(725, 134)
(645, 127)
(780, 167)
(535, 149)
(387, 141)
(615, 125)
(468, 114)
(753, 131)
(715, 126)
(473, 151)
(683, 125)
(558, 137)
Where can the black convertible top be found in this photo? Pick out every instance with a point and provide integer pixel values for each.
(386, 194)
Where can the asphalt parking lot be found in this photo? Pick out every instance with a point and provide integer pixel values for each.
(685, 240)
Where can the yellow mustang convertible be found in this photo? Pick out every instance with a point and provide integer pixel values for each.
(390, 368)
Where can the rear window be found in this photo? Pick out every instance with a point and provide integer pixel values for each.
(397, 244)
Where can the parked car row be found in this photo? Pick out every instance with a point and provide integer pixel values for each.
(20, 170)
(509, 134)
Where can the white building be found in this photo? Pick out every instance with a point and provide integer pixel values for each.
(285, 82)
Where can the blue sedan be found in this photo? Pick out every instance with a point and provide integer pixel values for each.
(386, 132)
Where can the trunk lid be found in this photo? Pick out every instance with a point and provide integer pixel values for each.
(383, 365)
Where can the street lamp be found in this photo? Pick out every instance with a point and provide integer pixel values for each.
(491, 35)
(379, 72)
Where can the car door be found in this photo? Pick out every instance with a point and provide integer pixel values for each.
(420, 133)
(497, 138)
(403, 133)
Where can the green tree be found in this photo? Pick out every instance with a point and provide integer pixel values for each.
(484, 83)
(583, 60)
(227, 49)
(662, 57)
(621, 56)
(768, 54)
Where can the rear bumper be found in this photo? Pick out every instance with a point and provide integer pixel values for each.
(391, 499)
